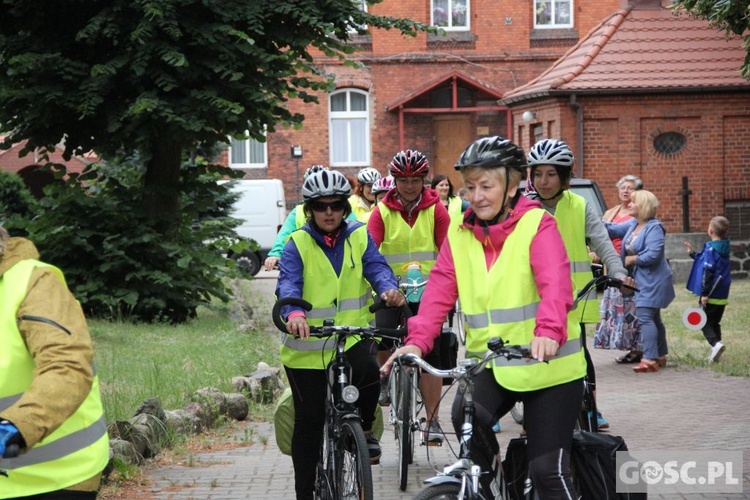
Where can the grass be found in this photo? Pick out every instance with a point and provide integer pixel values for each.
(138, 361)
(689, 348)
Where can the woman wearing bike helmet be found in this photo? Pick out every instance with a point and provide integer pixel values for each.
(409, 225)
(363, 199)
(330, 262)
(551, 162)
(381, 187)
(295, 220)
(507, 265)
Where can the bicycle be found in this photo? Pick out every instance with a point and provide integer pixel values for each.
(460, 480)
(344, 470)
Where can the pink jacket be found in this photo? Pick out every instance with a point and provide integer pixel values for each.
(550, 263)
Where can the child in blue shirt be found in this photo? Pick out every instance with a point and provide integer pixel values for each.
(710, 279)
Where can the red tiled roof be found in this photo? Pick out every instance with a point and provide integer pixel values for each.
(638, 50)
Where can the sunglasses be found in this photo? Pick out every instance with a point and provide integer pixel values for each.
(322, 206)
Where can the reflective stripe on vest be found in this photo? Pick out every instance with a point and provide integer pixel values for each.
(502, 302)
(403, 243)
(570, 214)
(342, 298)
(79, 448)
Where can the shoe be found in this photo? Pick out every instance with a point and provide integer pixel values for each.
(373, 446)
(601, 422)
(646, 367)
(496, 427)
(662, 361)
(385, 394)
(716, 351)
(434, 433)
(631, 357)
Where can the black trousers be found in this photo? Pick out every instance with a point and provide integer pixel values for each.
(309, 396)
(549, 419)
(712, 328)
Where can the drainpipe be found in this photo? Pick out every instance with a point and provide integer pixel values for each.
(579, 135)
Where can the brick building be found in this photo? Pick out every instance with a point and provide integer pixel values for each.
(655, 95)
(435, 93)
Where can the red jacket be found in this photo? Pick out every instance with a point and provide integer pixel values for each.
(550, 263)
(429, 197)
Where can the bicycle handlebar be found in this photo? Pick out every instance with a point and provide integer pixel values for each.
(497, 348)
(607, 281)
(330, 330)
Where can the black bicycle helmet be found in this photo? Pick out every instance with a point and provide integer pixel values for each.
(493, 152)
(325, 183)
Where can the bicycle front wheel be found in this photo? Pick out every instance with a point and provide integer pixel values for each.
(404, 435)
(353, 475)
(448, 491)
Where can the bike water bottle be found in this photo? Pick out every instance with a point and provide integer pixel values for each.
(414, 277)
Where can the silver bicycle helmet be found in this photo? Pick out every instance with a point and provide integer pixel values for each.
(312, 170)
(368, 176)
(552, 152)
(325, 183)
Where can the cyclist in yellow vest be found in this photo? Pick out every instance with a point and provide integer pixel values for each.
(409, 225)
(51, 413)
(330, 262)
(507, 264)
(551, 162)
(294, 220)
(363, 199)
(455, 205)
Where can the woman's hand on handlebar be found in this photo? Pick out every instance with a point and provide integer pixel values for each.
(298, 327)
(270, 263)
(628, 282)
(385, 370)
(393, 298)
(544, 348)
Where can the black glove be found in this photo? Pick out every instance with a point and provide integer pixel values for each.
(11, 440)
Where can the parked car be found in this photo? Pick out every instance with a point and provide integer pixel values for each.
(262, 209)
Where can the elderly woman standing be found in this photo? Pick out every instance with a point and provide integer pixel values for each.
(618, 328)
(643, 239)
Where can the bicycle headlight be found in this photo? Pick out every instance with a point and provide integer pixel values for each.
(350, 394)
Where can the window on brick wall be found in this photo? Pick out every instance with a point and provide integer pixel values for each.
(349, 126)
(553, 14)
(738, 214)
(451, 14)
(361, 5)
(247, 153)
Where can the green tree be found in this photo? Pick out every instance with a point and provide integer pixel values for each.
(731, 16)
(164, 76)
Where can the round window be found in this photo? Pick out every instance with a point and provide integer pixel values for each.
(670, 143)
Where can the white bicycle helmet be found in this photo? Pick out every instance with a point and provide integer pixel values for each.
(368, 176)
(325, 183)
(312, 170)
(552, 152)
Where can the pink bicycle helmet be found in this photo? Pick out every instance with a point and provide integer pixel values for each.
(409, 163)
(382, 185)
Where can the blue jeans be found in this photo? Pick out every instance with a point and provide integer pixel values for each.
(653, 332)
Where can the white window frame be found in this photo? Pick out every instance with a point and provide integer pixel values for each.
(361, 5)
(349, 117)
(449, 15)
(553, 5)
(247, 144)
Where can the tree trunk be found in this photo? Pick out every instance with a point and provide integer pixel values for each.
(162, 184)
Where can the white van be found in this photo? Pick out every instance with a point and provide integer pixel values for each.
(262, 209)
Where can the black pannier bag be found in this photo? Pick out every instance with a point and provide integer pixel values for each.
(594, 469)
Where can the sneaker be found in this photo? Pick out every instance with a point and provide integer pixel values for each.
(373, 446)
(496, 427)
(385, 394)
(601, 422)
(434, 433)
(716, 351)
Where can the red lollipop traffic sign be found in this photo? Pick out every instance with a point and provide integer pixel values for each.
(694, 318)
